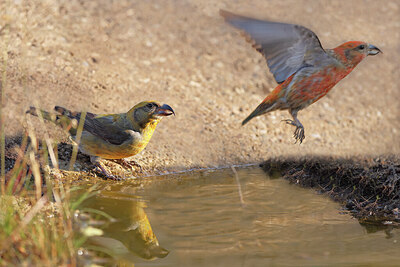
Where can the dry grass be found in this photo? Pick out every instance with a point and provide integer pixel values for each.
(36, 212)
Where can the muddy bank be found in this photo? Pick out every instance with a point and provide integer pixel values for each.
(368, 187)
(18, 147)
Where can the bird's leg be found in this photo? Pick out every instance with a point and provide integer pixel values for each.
(96, 162)
(299, 132)
(128, 164)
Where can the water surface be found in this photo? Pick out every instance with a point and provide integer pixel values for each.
(201, 220)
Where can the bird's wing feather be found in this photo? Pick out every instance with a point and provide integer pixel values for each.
(106, 128)
(286, 47)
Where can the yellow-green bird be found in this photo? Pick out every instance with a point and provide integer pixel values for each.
(111, 136)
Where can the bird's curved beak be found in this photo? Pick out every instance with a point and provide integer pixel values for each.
(373, 50)
(164, 110)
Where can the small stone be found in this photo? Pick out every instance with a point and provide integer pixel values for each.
(239, 90)
(59, 61)
(219, 64)
(195, 84)
(130, 12)
(316, 135)
(149, 44)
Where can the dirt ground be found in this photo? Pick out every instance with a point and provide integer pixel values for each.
(105, 56)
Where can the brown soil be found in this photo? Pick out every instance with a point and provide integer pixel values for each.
(106, 56)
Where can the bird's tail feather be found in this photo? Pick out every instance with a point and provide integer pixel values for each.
(63, 119)
(64, 111)
(44, 114)
(266, 106)
(270, 103)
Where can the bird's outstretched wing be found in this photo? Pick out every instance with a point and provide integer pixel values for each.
(286, 47)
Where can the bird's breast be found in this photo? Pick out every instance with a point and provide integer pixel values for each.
(308, 87)
(96, 146)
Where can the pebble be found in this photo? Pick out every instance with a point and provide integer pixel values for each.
(316, 135)
(149, 44)
(195, 84)
(59, 61)
(146, 62)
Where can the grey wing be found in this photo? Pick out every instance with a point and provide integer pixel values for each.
(106, 129)
(286, 47)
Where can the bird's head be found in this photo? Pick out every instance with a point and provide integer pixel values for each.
(353, 52)
(148, 112)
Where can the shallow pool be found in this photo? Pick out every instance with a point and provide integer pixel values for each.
(215, 218)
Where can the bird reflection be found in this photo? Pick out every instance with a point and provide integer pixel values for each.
(127, 233)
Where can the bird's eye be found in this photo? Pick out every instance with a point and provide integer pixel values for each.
(149, 105)
(361, 47)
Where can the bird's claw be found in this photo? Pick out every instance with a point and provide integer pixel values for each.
(290, 122)
(299, 134)
(107, 174)
(130, 164)
(115, 178)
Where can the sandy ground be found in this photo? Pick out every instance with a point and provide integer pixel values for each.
(106, 56)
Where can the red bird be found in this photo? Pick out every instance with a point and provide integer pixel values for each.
(304, 70)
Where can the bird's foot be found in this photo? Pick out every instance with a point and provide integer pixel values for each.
(131, 164)
(290, 122)
(107, 174)
(299, 134)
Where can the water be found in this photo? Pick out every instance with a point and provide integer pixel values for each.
(200, 220)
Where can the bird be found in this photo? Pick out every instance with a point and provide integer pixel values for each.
(303, 69)
(110, 136)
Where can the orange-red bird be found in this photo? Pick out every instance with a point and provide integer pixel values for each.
(304, 70)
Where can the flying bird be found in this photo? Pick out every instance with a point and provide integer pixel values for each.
(110, 136)
(304, 71)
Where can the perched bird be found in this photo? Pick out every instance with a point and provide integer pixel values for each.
(304, 71)
(111, 136)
